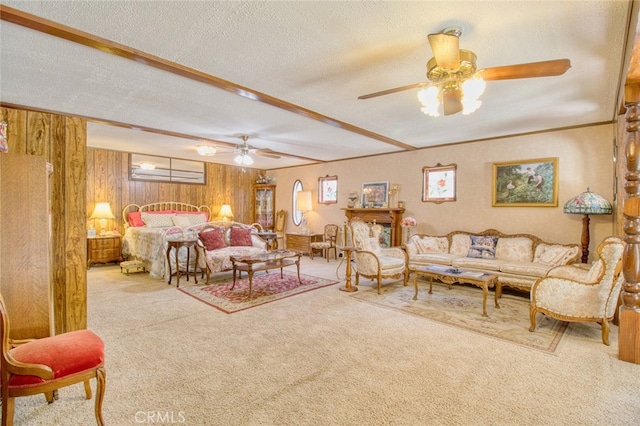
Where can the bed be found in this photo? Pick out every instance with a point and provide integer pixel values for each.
(148, 226)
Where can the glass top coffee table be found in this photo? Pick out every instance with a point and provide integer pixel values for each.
(263, 262)
(449, 275)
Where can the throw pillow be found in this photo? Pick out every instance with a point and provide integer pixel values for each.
(195, 219)
(240, 236)
(552, 254)
(213, 239)
(135, 219)
(181, 221)
(483, 247)
(153, 220)
(427, 245)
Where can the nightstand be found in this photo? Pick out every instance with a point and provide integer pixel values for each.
(103, 250)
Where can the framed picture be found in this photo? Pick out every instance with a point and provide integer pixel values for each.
(4, 146)
(439, 183)
(374, 194)
(526, 183)
(328, 190)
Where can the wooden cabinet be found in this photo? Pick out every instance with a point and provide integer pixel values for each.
(264, 196)
(103, 250)
(25, 245)
(301, 242)
(391, 218)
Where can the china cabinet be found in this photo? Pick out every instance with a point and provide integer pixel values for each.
(264, 205)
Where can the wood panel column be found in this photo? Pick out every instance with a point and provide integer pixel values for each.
(629, 323)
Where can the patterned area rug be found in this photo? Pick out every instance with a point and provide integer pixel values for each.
(266, 287)
(461, 306)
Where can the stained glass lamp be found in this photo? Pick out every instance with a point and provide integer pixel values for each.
(587, 203)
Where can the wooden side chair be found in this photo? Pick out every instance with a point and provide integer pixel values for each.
(328, 242)
(280, 228)
(31, 367)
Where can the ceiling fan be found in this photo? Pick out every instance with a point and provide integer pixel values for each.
(244, 159)
(454, 81)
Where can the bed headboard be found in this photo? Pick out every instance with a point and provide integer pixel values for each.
(160, 206)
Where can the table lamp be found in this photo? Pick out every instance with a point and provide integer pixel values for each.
(587, 203)
(303, 204)
(102, 211)
(225, 212)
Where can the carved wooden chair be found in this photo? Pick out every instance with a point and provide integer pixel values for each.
(328, 242)
(373, 261)
(573, 293)
(280, 228)
(31, 367)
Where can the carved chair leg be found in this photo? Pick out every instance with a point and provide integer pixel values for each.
(101, 377)
(8, 407)
(87, 389)
(532, 316)
(605, 331)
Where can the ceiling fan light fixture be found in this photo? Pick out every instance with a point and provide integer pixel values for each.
(429, 97)
(206, 150)
(147, 166)
(243, 160)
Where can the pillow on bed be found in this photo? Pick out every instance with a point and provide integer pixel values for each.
(135, 219)
(181, 221)
(194, 219)
(213, 239)
(206, 214)
(157, 220)
(240, 236)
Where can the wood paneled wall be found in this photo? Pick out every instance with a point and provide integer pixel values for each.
(61, 140)
(108, 180)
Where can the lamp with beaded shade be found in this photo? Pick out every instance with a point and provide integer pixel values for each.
(587, 203)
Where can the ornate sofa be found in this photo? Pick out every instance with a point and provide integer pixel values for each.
(517, 259)
(217, 242)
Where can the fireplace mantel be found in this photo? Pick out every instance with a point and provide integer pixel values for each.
(393, 217)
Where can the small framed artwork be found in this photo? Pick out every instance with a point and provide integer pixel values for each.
(328, 190)
(526, 183)
(4, 146)
(439, 183)
(375, 194)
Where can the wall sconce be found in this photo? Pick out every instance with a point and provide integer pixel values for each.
(225, 212)
(102, 211)
(587, 203)
(304, 204)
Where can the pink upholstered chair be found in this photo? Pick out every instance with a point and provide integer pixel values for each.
(31, 367)
(573, 293)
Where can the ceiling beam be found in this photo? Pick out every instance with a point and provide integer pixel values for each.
(55, 29)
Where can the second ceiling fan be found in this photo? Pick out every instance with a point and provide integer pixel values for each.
(454, 81)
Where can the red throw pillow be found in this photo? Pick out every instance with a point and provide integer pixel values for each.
(240, 236)
(213, 239)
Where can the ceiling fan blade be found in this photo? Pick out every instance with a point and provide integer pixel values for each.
(266, 152)
(446, 50)
(394, 90)
(530, 70)
(452, 101)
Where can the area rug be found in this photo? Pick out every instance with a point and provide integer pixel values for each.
(461, 306)
(266, 287)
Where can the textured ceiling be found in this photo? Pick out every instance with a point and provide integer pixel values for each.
(316, 58)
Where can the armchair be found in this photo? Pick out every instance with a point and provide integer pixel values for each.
(373, 261)
(30, 367)
(329, 242)
(571, 293)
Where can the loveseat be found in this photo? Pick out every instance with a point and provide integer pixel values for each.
(218, 242)
(517, 259)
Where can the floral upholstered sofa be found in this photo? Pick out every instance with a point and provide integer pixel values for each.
(217, 242)
(518, 259)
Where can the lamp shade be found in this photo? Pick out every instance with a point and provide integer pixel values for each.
(303, 201)
(206, 150)
(225, 211)
(102, 211)
(588, 203)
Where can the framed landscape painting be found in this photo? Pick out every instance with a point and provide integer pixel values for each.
(526, 183)
(374, 194)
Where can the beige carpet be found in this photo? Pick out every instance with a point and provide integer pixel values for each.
(325, 358)
(461, 306)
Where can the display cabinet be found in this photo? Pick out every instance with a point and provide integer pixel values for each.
(265, 204)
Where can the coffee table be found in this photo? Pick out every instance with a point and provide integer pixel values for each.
(449, 275)
(264, 262)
